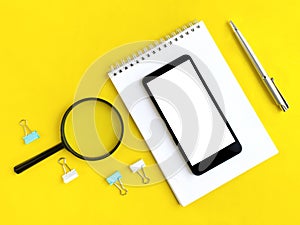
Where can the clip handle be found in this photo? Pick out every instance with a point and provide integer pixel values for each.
(63, 162)
(122, 189)
(145, 178)
(23, 123)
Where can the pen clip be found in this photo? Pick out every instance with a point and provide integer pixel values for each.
(285, 106)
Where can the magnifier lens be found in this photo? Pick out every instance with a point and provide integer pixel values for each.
(92, 128)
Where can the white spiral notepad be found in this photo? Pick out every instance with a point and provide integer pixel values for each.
(196, 41)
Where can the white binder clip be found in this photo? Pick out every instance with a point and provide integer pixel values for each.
(115, 179)
(30, 136)
(137, 167)
(69, 174)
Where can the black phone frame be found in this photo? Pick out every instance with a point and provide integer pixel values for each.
(219, 157)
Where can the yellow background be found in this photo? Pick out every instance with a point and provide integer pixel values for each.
(45, 47)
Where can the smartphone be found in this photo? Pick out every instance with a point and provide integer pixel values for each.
(191, 115)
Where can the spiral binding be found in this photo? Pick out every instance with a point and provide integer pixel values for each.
(153, 48)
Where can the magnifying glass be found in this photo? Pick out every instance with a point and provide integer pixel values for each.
(91, 129)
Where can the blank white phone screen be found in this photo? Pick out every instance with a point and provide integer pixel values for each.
(188, 109)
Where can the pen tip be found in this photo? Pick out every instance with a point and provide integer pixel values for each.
(284, 107)
(232, 25)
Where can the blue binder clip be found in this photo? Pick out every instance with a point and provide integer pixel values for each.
(30, 136)
(115, 179)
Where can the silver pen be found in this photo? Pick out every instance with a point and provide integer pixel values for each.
(269, 82)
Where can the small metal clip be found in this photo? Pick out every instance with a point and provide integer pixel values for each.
(178, 30)
(115, 179)
(112, 68)
(30, 136)
(137, 167)
(69, 174)
(140, 52)
(134, 55)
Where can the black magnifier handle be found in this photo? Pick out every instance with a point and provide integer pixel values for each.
(36, 159)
